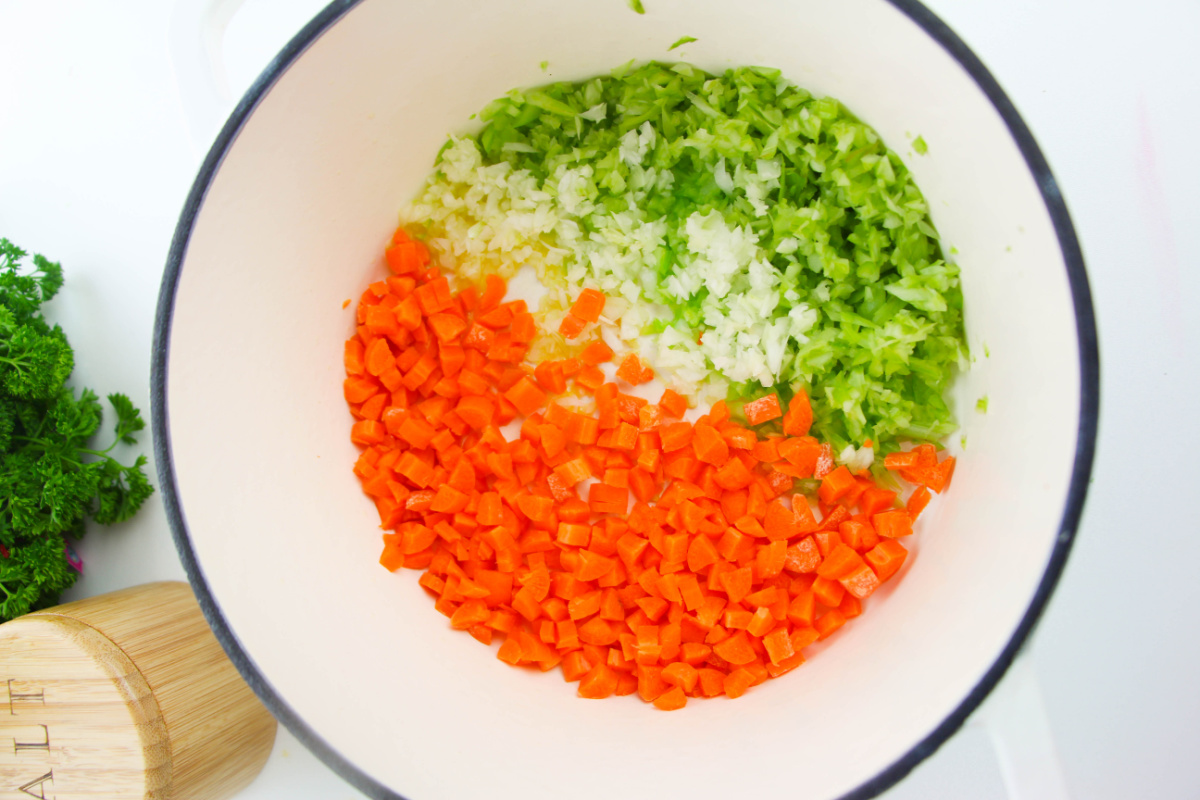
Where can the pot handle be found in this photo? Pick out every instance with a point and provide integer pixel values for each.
(196, 35)
(1015, 717)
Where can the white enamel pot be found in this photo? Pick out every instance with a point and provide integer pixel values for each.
(288, 218)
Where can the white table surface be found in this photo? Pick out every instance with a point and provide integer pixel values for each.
(96, 158)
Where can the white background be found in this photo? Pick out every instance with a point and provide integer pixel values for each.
(96, 158)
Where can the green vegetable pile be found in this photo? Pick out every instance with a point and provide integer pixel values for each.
(51, 480)
(789, 246)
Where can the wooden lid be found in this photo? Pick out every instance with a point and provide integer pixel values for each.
(77, 718)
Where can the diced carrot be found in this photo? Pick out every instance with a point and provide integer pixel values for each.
(356, 390)
(780, 522)
(650, 683)
(574, 534)
(771, 559)
(858, 535)
(575, 666)
(526, 396)
(761, 623)
(417, 538)
(479, 337)
(643, 485)
(802, 608)
(701, 553)
(589, 305)
(709, 587)
(829, 622)
(917, 502)
(593, 566)
(600, 682)
(893, 524)
(681, 674)
(448, 500)
(737, 682)
(472, 383)
(828, 591)
(835, 485)
(900, 460)
(803, 556)
(494, 290)
(524, 327)
(353, 357)
(597, 353)
(617, 476)
(673, 403)
(763, 410)
(590, 378)
(372, 407)
(676, 436)
(392, 557)
(597, 631)
(537, 508)
(737, 584)
(549, 376)
(733, 475)
(630, 369)
(367, 432)
(417, 432)
(649, 417)
(407, 257)
(608, 499)
(935, 476)
(860, 582)
(799, 416)
(573, 472)
(710, 447)
(739, 438)
(408, 314)
(804, 635)
(476, 411)
(840, 562)
(778, 645)
(825, 464)
(469, 614)
(886, 558)
(874, 500)
(571, 326)
(446, 327)
(736, 649)
(499, 317)
(433, 296)
(552, 439)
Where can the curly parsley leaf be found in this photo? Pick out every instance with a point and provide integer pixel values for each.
(52, 479)
(34, 363)
(32, 576)
(129, 419)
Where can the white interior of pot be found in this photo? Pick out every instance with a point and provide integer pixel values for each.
(294, 223)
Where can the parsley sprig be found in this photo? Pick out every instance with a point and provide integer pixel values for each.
(52, 480)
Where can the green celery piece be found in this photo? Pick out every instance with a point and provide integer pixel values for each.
(861, 250)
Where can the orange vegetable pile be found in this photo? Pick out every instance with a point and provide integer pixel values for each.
(715, 581)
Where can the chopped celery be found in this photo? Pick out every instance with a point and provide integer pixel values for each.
(761, 238)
